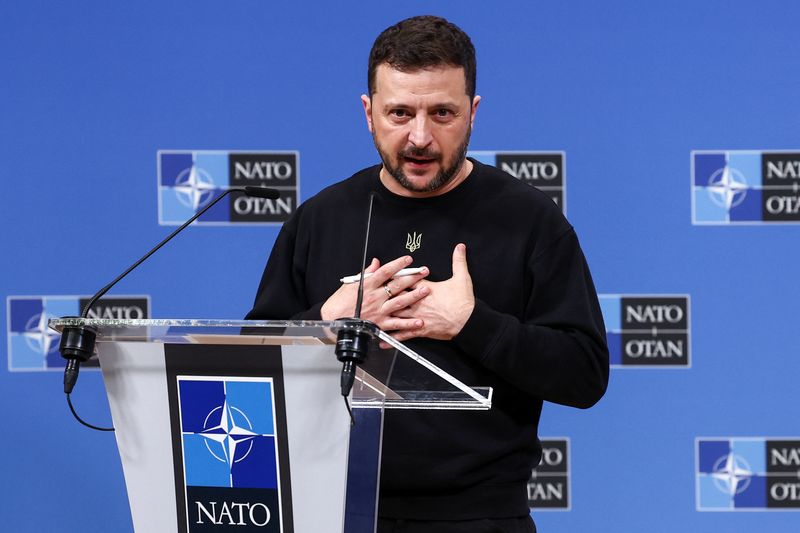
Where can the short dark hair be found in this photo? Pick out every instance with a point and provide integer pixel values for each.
(420, 42)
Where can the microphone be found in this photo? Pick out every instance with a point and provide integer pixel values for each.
(77, 342)
(352, 342)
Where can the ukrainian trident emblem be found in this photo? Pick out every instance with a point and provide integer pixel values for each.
(413, 243)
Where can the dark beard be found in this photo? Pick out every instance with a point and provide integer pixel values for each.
(439, 180)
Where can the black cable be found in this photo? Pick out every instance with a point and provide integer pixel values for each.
(350, 411)
(88, 425)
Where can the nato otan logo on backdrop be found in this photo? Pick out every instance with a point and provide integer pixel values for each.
(544, 170)
(230, 456)
(190, 180)
(647, 330)
(745, 187)
(548, 486)
(747, 473)
(32, 346)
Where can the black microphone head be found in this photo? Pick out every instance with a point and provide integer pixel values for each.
(262, 192)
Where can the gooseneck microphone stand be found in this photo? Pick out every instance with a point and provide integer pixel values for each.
(352, 341)
(78, 342)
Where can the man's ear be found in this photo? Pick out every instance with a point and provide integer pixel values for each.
(367, 103)
(474, 110)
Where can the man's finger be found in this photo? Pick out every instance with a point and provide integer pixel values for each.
(401, 283)
(404, 299)
(385, 273)
(373, 265)
(460, 261)
(402, 336)
(395, 324)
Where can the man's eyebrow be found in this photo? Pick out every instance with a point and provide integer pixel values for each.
(396, 104)
(403, 105)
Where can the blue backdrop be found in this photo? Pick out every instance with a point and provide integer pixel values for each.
(90, 91)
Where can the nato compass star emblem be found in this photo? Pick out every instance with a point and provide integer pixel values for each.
(39, 337)
(727, 187)
(732, 474)
(194, 187)
(231, 440)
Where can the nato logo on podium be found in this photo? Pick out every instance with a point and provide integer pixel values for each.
(231, 473)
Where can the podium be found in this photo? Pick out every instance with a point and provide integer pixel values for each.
(232, 425)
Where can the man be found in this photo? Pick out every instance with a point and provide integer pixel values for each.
(505, 299)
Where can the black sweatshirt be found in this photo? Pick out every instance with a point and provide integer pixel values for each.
(536, 332)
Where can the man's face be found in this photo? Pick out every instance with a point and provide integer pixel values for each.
(421, 123)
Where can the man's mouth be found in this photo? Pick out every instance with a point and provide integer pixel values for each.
(418, 161)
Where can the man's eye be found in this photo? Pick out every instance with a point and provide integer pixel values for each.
(399, 113)
(443, 113)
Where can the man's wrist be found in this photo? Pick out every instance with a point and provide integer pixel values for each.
(464, 313)
(325, 313)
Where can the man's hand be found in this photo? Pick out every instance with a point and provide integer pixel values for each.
(383, 297)
(448, 306)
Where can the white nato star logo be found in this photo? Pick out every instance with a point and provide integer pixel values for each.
(227, 436)
(727, 187)
(732, 474)
(39, 337)
(194, 187)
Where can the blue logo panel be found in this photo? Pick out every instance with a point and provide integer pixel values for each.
(201, 399)
(705, 165)
(745, 187)
(747, 473)
(647, 330)
(749, 209)
(228, 432)
(724, 184)
(709, 452)
(172, 165)
(230, 453)
(202, 465)
(191, 180)
(753, 495)
(33, 346)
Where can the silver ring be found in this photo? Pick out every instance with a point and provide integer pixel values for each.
(388, 290)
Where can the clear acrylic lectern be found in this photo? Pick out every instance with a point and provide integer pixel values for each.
(240, 425)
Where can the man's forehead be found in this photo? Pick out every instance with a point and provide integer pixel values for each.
(443, 79)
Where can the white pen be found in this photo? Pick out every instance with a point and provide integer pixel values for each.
(401, 272)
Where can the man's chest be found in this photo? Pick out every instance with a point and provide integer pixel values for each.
(495, 256)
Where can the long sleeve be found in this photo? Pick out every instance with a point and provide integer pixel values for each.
(282, 292)
(558, 352)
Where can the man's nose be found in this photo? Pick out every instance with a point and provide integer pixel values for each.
(420, 134)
